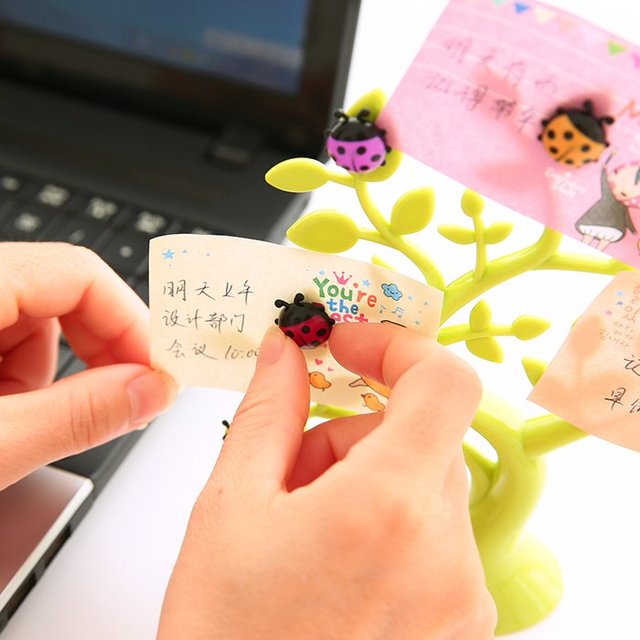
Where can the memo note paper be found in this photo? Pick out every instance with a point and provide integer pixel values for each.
(212, 299)
(594, 380)
(472, 102)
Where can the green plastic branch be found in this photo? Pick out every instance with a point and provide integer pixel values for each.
(372, 236)
(328, 412)
(427, 267)
(463, 290)
(482, 472)
(346, 180)
(481, 249)
(584, 264)
(543, 434)
(463, 332)
(380, 262)
(522, 575)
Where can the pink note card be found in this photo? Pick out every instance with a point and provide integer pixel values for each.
(472, 103)
(594, 380)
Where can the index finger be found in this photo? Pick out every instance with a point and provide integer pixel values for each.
(102, 318)
(434, 394)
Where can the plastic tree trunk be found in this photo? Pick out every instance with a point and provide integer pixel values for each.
(522, 574)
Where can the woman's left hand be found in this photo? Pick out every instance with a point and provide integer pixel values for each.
(46, 287)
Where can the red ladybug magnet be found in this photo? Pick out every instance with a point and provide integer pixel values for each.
(306, 323)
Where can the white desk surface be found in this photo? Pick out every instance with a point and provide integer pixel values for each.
(108, 581)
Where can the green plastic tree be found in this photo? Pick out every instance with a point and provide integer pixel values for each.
(522, 574)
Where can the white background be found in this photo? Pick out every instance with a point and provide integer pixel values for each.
(108, 581)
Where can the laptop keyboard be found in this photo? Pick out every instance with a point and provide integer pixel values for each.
(35, 209)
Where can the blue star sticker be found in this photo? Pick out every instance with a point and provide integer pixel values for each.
(168, 254)
(366, 283)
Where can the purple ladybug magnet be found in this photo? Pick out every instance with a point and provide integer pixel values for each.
(357, 144)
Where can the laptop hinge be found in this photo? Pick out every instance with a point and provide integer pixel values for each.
(235, 147)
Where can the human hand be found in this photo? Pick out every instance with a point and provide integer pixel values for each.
(50, 286)
(357, 529)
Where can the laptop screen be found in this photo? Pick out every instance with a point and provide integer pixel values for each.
(259, 43)
(273, 65)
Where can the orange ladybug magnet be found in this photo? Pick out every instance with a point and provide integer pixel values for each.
(575, 136)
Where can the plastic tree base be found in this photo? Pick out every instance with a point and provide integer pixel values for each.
(525, 582)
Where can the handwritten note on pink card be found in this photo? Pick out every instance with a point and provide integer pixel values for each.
(212, 299)
(594, 380)
(472, 103)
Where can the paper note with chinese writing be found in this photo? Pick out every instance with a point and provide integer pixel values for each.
(212, 299)
(594, 381)
(473, 102)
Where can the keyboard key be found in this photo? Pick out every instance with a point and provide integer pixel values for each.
(201, 231)
(53, 195)
(10, 182)
(26, 221)
(101, 209)
(82, 231)
(127, 253)
(153, 224)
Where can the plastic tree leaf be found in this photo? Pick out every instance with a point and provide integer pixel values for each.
(326, 230)
(374, 101)
(413, 211)
(297, 175)
(456, 233)
(472, 203)
(534, 369)
(480, 316)
(498, 232)
(529, 327)
(486, 348)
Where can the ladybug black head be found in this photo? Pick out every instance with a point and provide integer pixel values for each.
(361, 116)
(588, 123)
(297, 299)
(353, 128)
(298, 311)
(585, 121)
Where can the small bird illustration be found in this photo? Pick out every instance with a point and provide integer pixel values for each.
(317, 380)
(374, 385)
(372, 402)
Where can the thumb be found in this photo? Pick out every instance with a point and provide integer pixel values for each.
(78, 413)
(266, 432)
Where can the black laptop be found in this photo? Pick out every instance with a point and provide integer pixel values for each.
(128, 119)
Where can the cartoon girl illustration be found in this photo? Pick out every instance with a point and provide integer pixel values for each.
(625, 184)
(609, 218)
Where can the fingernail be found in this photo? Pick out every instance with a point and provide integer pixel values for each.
(271, 347)
(150, 394)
